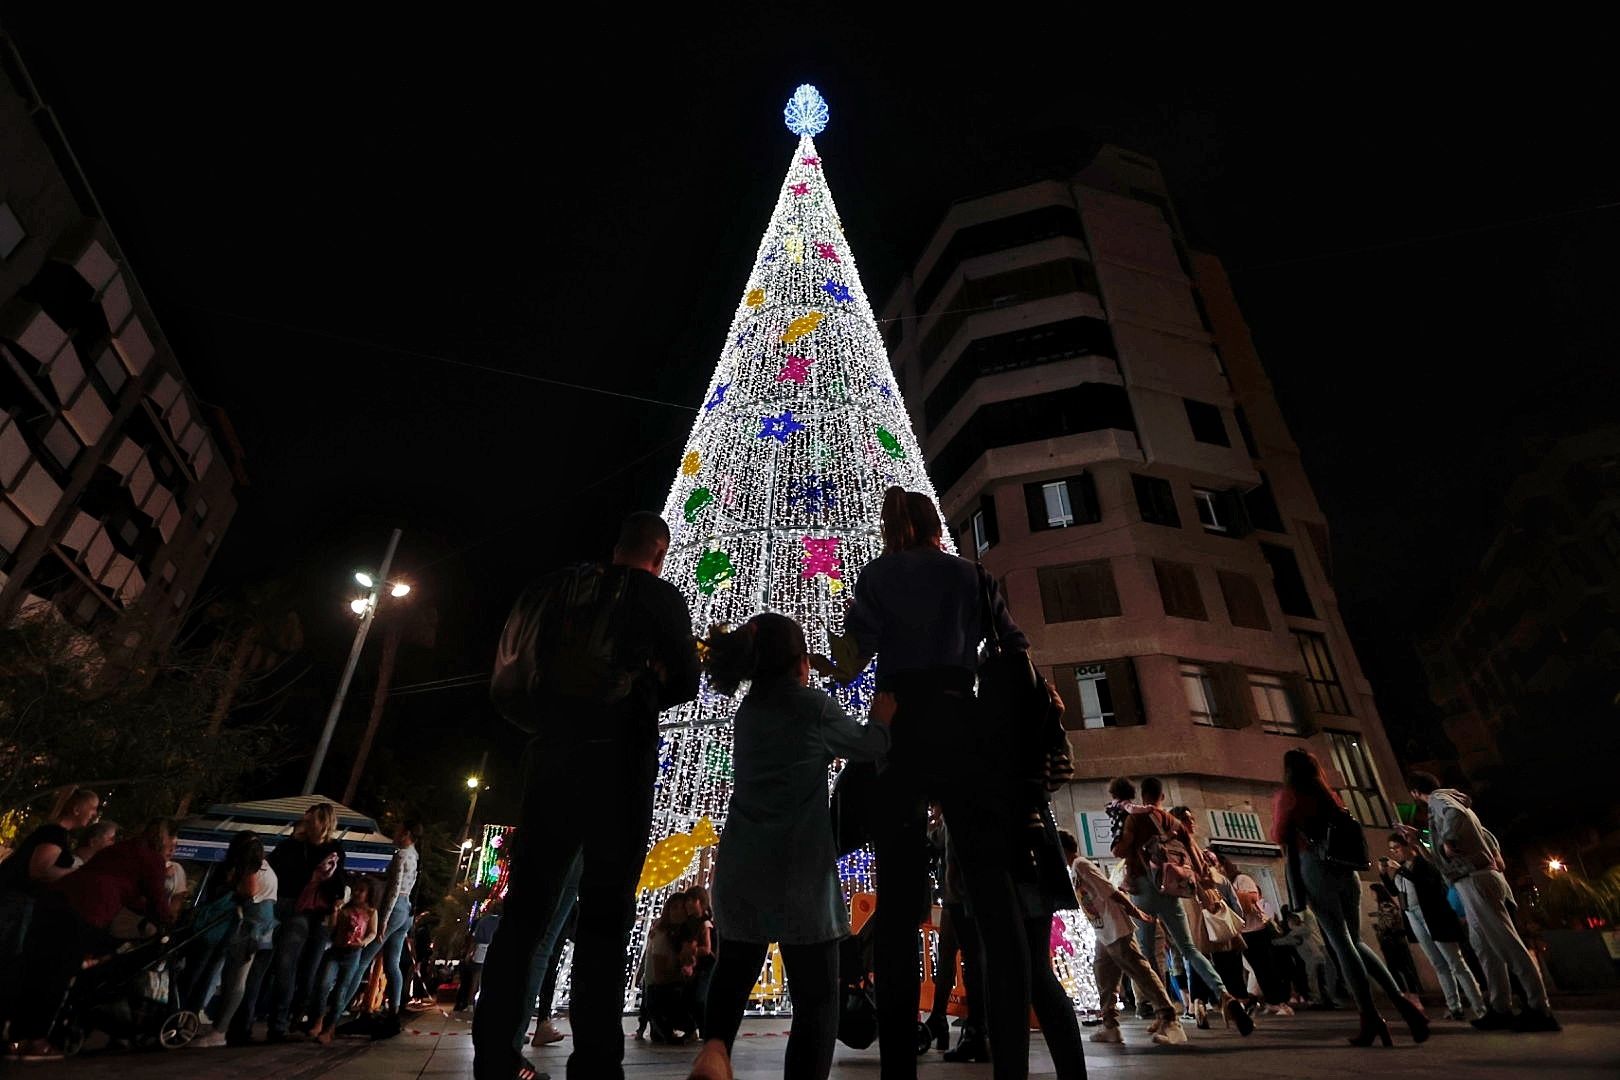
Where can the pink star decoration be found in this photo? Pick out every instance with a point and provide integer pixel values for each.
(827, 251)
(810, 161)
(1059, 939)
(800, 189)
(796, 368)
(821, 557)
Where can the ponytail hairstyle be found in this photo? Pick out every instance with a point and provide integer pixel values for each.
(925, 527)
(899, 533)
(764, 648)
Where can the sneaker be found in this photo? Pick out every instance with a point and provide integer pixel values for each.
(1456, 1014)
(1281, 1010)
(546, 1034)
(1542, 1020)
(1172, 1035)
(1107, 1035)
(212, 1038)
(1493, 1021)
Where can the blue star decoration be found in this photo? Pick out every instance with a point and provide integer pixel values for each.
(717, 397)
(742, 338)
(813, 494)
(837, 290)
(882, 388)
(779, 427)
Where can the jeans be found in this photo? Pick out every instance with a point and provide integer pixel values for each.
(337, 971)
(240, 950)
(399, 924)
(1174, 918)
(812, 974)
(300, 940)
(1335, 895)
(1485, 895)
(589, 796)
(941, 751)
(240, 1027)
(1446, 957)
(542, 969)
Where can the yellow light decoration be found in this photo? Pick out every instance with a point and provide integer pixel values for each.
(670, 857)
(755, 297)
(834, 586)
(691, 463)
(801, 326)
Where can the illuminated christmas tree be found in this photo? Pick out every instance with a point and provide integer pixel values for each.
(775, 504)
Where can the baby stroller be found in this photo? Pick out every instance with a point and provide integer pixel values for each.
(133, 994)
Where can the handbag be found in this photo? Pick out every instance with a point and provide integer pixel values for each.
(854, 796)
(1223, 928)
(1026, 723)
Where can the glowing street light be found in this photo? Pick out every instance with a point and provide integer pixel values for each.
(1556, 865)
(399, 589)
(366, 580)
(465, 844)
(360, 605)
(472, 783)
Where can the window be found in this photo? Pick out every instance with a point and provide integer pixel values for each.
(1245, 431)
(1058, 278)
(1206, 422)
(1092, 705)
(1026, 347)
(1057, 504)
(12, 232)
(1070, 411)
(1262, 507)
(981, 538)
(1156, 500)
(1327, 695)
(1273, 705)
(1361, 793)
(1244, 605)
(1098, 695)
(1209, 512)
(1081, 591)
(981, 529)
(1202, 700)
(1001, 234)
(1178, 590)
(1289, 582)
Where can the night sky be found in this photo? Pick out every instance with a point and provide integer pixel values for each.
(342, 226)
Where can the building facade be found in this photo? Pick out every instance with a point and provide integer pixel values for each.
(1105, 439)
(114, 487)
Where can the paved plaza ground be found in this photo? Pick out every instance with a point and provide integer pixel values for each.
(435, 1047)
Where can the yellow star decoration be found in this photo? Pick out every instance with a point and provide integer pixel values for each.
(755, 297)
(801, 326)
(691, 463)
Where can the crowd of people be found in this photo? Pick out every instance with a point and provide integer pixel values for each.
(953, 810)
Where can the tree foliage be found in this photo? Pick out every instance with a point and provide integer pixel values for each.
(144, 737)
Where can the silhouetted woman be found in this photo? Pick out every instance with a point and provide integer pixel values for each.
(1305, 807)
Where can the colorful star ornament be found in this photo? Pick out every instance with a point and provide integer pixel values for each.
(779, 428)
(826, 251)
(795, 369)
(801, 327)
(883, 389)
(837, 290)
(813, 494)
(714, 571)
(717, 397)
(755, 297)
(696, 501)
(821, 557)
(691, 463)
(810, 161)
(800, 189)
(890, 444)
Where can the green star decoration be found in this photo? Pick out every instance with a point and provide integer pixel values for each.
(891, 445)
(696, 501)
(717, 761)
(714, 571)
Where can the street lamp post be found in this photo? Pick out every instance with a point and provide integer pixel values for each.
(475, 784)
(370, 612)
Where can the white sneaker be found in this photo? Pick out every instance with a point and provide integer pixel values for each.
(1107, 1035)
(1281, 1010)
(212, 1038)
(1172, 1035)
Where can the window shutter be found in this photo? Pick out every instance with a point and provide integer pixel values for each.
(1083, 499)
(1237, 700)
(1121, 676)
(1304, 707)
(987, 507)
(1035, 503)
(1235, 513)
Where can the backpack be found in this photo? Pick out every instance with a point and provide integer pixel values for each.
(1169, 861)
(1343, 843)
(558, 643)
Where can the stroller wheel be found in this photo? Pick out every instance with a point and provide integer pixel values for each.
(72, 1041)
(178, 1029)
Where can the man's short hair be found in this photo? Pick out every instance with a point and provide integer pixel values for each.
(1152, 789)
(1424, 783)
(1071, 846)
(641, 535)
(81, 796)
